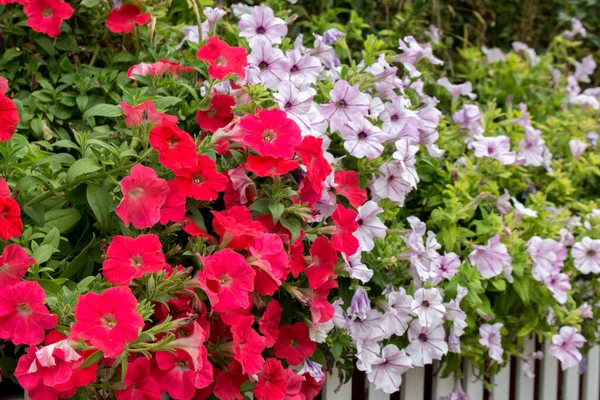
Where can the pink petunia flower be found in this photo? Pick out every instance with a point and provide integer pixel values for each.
(426, 344)
(565, 346)
(491, 338)
(14, 263)
(492, 259)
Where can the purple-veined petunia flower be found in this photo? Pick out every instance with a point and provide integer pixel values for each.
(457, 90)
(532, 148)
(521, 211)
(330, 36)
(405, 155)
(296, 103)
(213, 15)
(586, 310)
(324, 52)
(469, 117)
(566, 237)
(368, 328)
(586, 255)
(584, 69)
(240, 9)
(455, 314)
(449, 265)
(427, 306)
(360, 304)
(412, 53)
(497, 147)
(427, 138)
(270, 64)
(304, 69)
(426, 344)
(369, 225)
(528, 363)
(577, 28)
(340, 319)
(592, 137)
(313, 369)
(356, 268)
(261, 26)
(400, 122)
(493, 55)
(367, 351)
(434, 33)
(362, 138)
(503, 203)
(347, 104)
(414, 236)
(492, 340)
(453, 342)
(547, 256)
(457, 394)
(425, 264)
(565, 346)
(397, 312)
(530, 53)
(386, 371)
(559, 284)
(491, 259)
(394, 183)
(577, 147)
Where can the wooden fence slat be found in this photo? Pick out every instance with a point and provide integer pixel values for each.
(571, 384)
(412, 383)
(441, 386)
(332, 382)
(525, 384)
(591, 381)
(472, 386)
(549, 375)
(501, 389)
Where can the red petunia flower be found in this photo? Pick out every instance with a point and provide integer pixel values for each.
(271, 133)
(248, 346)
(123, 18)
(348, 186)
(345, 223)
(266, 252)
(272, 383)
(23, 316)
(53, 371)
(294, 381)
(317, 167)
(310, 387)
(223, 59)
(294, 343)
(176, 148)
(270, 166)
(11, 225)
(131, 258)
(108, 321)
(45, 16)
(324, 257)
(297, 261)
(143, 195)
(174, 208)
(268, 324)
(321, 309)
(200, 181)
(139, 384)
(4, 189)
(219, 113)
(194, 230)
(9, 118)
(227, 278)
(3, 80)
(14, 264)
(236, 227)
(143, 114)
(176, 374)
(229, 381)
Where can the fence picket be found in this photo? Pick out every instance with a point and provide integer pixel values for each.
(441, 386)
(549, 375)
(570, 387)
(591, 385)
(472, 386)
(413, 381)
(331, 384)
(525, 385)
(501, 389)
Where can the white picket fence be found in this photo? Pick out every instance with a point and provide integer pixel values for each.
(550, 383)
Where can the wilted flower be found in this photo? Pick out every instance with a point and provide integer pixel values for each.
(330, 36)
(360, 304)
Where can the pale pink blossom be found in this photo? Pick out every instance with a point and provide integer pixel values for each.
(386, 371)
(427, 306)
(565, 346)
(492, 340)
(586, 255)
(492, 258)
(426, 344)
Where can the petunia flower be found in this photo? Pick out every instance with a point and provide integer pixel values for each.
(269, 322)
(228, 382)
(547, 256)
(368, 328)
(46, 16)
(427, 306)
(426, 344)
(174, 208)
(123, 19)
(363, 139)
(143, 196)
(213, 15)
(360, 304)
(413, 52)
(294, 344)
(107, 321)
(330, 36)
(492, 340)
(223, 59)
(532, 148)
(271, 384)
(144, 114)
(370, 225)
(386, 371)
(530, 53)
(565, 346)
(356, 269)
(226, 279)
(304, 69)
(492, 258)
(267, 254)
(454, 314)
(586, 255)
(584, 69)
(218, 115)
(176, 375)
(397, 315)
(323, 257)
(23, 316)
(493, 55)
(559, 284)
(261, 26)
(131, 258)
(457, 90)
(267, 65)
(236, 227)
(270, 166)
(139, 383)
(271, 133)
(9, 118)
(347, 104)
(343, 238)
(497, 147)
(158, 68)
(14, 263)
(394, 182)
(449, 265)
(576, 28)
(200, 181)
(314, 369)
(346, 184)
(577, 147)
(175, 147)
(248, 346)
(400, 122)
(296, 103)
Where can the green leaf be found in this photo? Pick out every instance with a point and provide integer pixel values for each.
(82, 166)
(46, 44)
(293, 225)
(336, 350)
(61, 219)
(100, 202)
(52, 238)
(93, 359)
(50, 286)
(166, 102)
(276, 210)
(43, 253)
(103, 110)
(261, 206)
(78, 261)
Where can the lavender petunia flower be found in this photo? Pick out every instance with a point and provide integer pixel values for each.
(397, 312)
(363, 139)
(190, 33)
(434, 33)
(584, 69)
(386, 371)
(324, 52)
(449, 265)
(368, 328)
(360, 304)
(592, 137)
(261, 26)
(565, 346)
(547, 255)
(347, 104)
(400, 122)
(532, 148)
(461, 89)
(566, 237)
(577, 28)
(356, 268)
(413, 52)
(369, 225)
(468, 117)
(586, 255)
(213, 15)
(240, 9)
(426, 344)
(503, 203)
(497, 147)
(530, 53)
(270, 64)
(304, 69)
(492, 340)
(528, 363)
(577, 147)
(521, 211)
(295, 103)
(367, 352)
(559, 284)
(394, 183)
(457, 394)
(427, 306)
(493, 55)
(314, 369)
(586, 311)
(455, 314)
(330, 36)
(492, 259)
